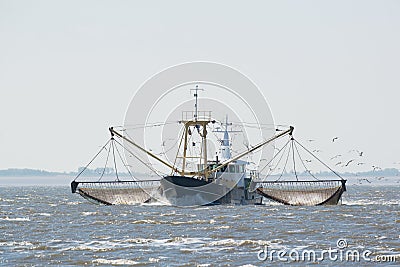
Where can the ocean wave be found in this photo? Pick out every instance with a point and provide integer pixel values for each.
(44, 214)
(73, 203)
(87, 213)
(18, 244)
(237, 243)
(366, 202)
(145, 222)
(97, 246)
(22, 219)
(116, 262)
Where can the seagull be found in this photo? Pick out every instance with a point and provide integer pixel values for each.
(317, 150)
(360, 153)
(376, 168)
(336, 156)
(338, 163)
(360, 163)
(347, 164)
(307, 160)
(310, 140)
(380, 178)
(335, 138)
(364, 179)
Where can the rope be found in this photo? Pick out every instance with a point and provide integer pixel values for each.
(294, 162)
(284, 147)
(115, 163)
(301, 160)
(105, 165)
(87, 165)
(146, 164)
(318, 159)
(142, 126)
(122, 160)
(284, 167)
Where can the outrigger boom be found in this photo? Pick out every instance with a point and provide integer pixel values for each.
(207, 173)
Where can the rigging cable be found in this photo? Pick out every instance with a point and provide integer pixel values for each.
(126, 165)
(301, 160)
(284, 167)
(115, 163)
(144, 163)
(294, 162)
(319, 160)
(105, 165)
(280, 150)
(92, 160)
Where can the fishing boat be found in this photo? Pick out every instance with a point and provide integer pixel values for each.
(223, 179)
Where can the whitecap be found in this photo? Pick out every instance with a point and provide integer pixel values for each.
(16, 244)
(16, 219)
(154, 259)
(115, 262)
(87, 213)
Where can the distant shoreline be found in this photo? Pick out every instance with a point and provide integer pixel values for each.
(43, 173)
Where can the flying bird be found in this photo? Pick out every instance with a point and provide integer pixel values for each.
(310, 140)
(360, 153)
(317, 150)
(360, 163)
(376, 168)
(335, 138)
(307, 160)
(338, 163)
(364, 179)
(350, 161)
(336, 156)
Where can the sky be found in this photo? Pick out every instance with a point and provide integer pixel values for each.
(68, 70)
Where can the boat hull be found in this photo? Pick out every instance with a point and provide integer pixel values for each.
(187, 191)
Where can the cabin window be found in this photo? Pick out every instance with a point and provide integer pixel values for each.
(241, 168)
(238, 168)
(232, 168)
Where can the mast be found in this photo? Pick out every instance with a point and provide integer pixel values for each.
(196, 96)
(190, 118)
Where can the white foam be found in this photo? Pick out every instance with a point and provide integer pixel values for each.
(154, 259)
(15, 219)
(116, 261)
(365, 202)
(87, 213)
(16, 244)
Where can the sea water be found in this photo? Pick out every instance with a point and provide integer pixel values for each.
(41, 225)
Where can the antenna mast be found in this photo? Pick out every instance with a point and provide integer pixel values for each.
(196, 96)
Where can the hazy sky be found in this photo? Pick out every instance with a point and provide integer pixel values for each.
(68, 70)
